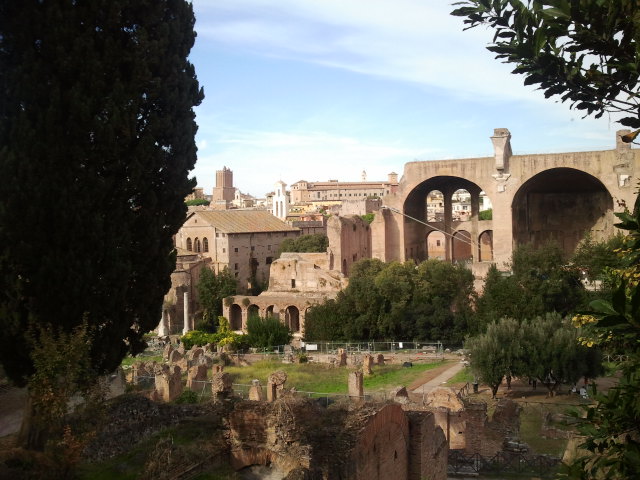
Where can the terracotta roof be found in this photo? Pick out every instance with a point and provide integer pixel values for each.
(244, 221)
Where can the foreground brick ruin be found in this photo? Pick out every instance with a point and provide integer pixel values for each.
(407, 437)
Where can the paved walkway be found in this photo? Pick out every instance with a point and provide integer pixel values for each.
(440, 379)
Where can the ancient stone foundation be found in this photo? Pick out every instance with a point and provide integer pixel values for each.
(168, 383)
(275, 385)
(356, 390)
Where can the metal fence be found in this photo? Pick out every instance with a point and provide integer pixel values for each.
(374, 347)
(615, 358)
(461, 463)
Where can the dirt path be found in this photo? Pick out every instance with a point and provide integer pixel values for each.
(438, 380)
(430, 375)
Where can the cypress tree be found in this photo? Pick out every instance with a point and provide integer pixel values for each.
(96, 142)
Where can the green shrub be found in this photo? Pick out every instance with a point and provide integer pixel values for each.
(368, 217)
(187, 396)
(266, 332)
(197, 337)
(223, 337)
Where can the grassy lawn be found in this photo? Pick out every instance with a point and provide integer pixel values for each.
(530, 427)
(463, 376)
(312, 377)
(129, 360)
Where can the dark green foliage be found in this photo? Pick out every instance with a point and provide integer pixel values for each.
(486, 214)
(544, 348)
(212, 290)
(612, 425)
(541, 281)
(500, 298)
(196, 202)
(584, 51)
(187, 396)
(431, 301)
(267, 332)
(305, 244)
(595, 258)
(96, 109)
(323, 323)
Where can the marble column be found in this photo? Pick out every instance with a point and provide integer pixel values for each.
(187, 325)
(163, 329)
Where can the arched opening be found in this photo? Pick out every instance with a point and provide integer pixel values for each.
(189, 245)
(436, 245)
(461, 246)
(205, 244)
(461, 205)
(235, 312)
(196, 245)
(292, 318)
(270, 312)
(562, 205)
(485, 246)
(253, 311)
(435, 206)
(432, 202)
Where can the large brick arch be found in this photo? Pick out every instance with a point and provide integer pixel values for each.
(504, 177)
(561, 205)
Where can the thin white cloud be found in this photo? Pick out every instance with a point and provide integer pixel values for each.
(408, 40)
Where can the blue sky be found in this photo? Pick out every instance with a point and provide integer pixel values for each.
(323, 89)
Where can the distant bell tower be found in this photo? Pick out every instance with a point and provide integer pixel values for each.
(224, 190)
(280, 206)
(364, 176)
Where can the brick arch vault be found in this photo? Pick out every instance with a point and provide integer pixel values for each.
(534, 198)
(279, 306)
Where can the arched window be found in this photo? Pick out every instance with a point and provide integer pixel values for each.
(196, 245)
(205, 244)
(189, 246)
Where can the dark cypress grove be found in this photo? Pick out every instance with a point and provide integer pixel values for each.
(96, 143)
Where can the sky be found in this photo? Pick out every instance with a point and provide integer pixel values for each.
(324, 89)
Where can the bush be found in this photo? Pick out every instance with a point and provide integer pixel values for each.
(197, 337)
(187, 396)
(267, 332)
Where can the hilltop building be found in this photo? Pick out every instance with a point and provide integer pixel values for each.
(244, 241)
(333, 190)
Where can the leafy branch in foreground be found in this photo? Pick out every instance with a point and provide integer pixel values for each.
(612, 425)
(584, 51)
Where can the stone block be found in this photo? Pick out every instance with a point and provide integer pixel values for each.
(196, 377)
(221, 386)
(168, 348)
(168, 383)
(255, 391)
(380, 359)
(400, 395)
(356, 386)
(342, 358)
(367, 364)
(275, 385)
